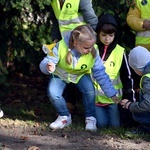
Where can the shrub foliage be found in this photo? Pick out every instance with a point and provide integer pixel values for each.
(26, 25)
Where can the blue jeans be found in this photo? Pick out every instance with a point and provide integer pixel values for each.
(142, 118)
(56, 88)
(107, 116)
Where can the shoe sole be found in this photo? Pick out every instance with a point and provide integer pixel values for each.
(69, 123)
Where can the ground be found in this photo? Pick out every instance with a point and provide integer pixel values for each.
(25, 125)
(18, 135)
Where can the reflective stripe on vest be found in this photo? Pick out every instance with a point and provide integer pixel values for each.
(68, 17)
(70, 73)
(112, 65)
(143, 37)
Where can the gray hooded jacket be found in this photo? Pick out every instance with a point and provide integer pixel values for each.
(139, 59)
(144, 100)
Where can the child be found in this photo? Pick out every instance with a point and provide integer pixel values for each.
(65, 16)
(139, 60)
(72, 60)
(115, 62)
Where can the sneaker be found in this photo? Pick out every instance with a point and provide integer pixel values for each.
(61, 122)
(90, 124)
(1, 113)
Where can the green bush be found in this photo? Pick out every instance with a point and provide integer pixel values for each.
(25, 26)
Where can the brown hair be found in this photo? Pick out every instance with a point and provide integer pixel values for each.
(80, 34)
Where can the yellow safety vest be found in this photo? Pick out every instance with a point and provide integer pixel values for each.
(112, 65)
(70, 73)
(143, 37)
(68, 17)
(147, 75)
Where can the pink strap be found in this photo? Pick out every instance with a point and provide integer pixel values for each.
(105, 49)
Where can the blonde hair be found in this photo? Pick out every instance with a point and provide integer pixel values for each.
(80, 34)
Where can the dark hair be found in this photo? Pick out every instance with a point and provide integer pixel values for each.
(107, 28)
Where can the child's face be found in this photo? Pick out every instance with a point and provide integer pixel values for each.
(84, 47)
(106, 39)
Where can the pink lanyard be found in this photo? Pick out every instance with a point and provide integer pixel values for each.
(105, 49)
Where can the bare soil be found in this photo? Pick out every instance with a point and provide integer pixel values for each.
(16, 133)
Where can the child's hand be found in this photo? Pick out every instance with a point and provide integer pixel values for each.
(51, 67)
(115, 99)
(146, 24)
(125, 103)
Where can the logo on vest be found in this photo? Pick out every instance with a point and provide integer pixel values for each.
(144, 2)
(84, 66)
(68, 5)
(112, 64)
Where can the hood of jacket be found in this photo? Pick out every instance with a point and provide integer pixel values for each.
(139, 57)
(104, 19)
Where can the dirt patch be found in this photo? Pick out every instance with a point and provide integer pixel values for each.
(19, 135)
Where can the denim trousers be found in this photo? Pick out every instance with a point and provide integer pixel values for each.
(143, 118)
(85, 85)
(107, 116)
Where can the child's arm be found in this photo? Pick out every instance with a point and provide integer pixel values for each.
(134, 19)
(144, 104)
(47, 65)
(87, 11)
(127, 81)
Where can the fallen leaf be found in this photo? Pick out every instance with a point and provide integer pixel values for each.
(33, 148)
(24, 138)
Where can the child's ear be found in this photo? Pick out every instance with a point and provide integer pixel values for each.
(75, 43)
